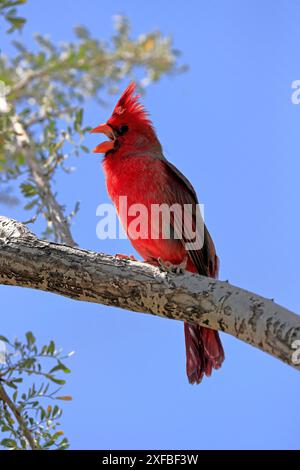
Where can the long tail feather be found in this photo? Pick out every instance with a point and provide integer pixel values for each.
(204, 352)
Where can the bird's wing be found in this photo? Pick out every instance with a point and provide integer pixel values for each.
(181, 191)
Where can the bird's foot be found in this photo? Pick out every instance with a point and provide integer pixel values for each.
(120, 256)
(169, 267)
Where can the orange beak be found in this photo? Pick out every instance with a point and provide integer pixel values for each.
(108, 145)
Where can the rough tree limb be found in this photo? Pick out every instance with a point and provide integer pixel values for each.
(84, 275)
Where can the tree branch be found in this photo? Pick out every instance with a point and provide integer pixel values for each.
(60, 223)
(84, 275)
(54, 209)
(28, 78)
(26, 432)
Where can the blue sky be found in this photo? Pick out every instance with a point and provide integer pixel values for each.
(230, 126)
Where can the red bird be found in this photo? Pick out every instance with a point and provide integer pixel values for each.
(135, 167)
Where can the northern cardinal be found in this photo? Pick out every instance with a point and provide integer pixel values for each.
(135, 167)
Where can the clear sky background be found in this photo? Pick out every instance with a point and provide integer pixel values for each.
(230, 126)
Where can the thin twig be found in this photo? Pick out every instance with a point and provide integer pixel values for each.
(60, 223)
(26, 432)
(54, 114)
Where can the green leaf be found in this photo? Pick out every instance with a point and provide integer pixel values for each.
(30, 338)
(42, 413)
(11, 385)
(57, 435)
(3, 338)
(16, 23)
(82, 32)
(55, 380)
(51, 348)
(28, 189)
(5, 428)
(14, 3)
(85, 149)
(49, 443)
(9, 443)
(64, 443)
(78, 120)
(60, 366)
(18, 380)
(55, 411)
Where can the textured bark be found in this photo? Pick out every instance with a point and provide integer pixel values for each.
(94, 277)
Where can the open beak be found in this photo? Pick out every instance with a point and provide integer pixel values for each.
(108, 145)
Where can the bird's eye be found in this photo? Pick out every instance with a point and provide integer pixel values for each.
(122, 129)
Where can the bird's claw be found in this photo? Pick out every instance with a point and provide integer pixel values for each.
(130, 258)
(168, 267)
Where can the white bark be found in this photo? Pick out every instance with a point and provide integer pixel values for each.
(94, 277)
